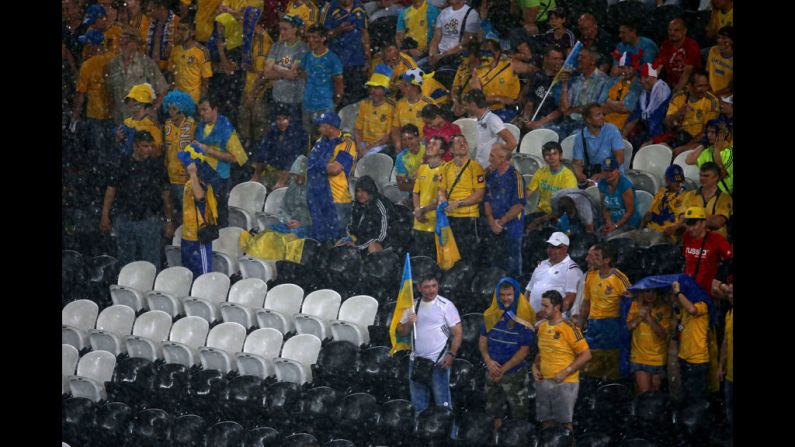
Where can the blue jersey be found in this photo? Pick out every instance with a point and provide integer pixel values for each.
(348, 45)
(615, 203)
(319, 88)
(503, 192)
(505, 338)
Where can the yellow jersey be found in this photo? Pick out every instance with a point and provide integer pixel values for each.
(150, 126)
(719, 204)
(339, 183)
(473, 178)
(604, 294)
(729, 334)
(176, 139)
(693, 339)
(91, 82)
(427, 186)
(233, 30)
(375, 121)
(259, 52)
(306, 10)
(416, 20)
(647, 347)
(191, 220)
(436, 91)
(407, 113)
(558, 345)
(718, 19)
(112, 36)
(618, 92)
(548, 183)
(498, 81)
(141, 23)
(189, 67)
(665, 207)
(701, 111)
(462, 78)
(720, 69)
(205, 16)
(405, 63)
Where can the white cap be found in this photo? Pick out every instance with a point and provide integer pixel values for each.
(557, 239)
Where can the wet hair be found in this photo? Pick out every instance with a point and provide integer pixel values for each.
(430, 112)
(552, 146)
(692, 80)
(318, 29)
(608, 251)
(442, 141)
(586, 111)
(367, 184)
(410, 129)
(554, 297)
(477, 97)
(211, 99)
(506, 285)
(143, 135)
(710, 166)
(428, 276)
(552, 48)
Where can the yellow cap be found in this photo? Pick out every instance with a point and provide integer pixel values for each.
(142, 93)
(695, 212)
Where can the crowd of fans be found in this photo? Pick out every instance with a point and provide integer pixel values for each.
(167, 105)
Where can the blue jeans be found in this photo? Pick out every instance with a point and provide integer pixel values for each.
(344, 211)
(440, 387)
(138, 240)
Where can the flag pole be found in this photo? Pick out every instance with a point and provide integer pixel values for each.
(567, 65)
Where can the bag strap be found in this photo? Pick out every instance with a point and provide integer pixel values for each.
(464, 25)
(585, 156)
(700, 253)
(458, 177)
(446, 345)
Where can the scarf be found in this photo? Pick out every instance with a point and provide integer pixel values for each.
(250, 17)
(165, 37)
(660, 92)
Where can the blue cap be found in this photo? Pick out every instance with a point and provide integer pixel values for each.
(610, 164)
(93, 13)
(491, 35)
(330, 118)
(94, 37)
(675, 173)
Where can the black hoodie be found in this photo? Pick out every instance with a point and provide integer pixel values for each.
(370, 222)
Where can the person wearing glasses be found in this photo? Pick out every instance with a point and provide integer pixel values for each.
(558, 272)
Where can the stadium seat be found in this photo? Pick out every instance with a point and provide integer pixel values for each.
(434, 424)
(643, 181)
(79, 418)
(514, 131)
(567, 144)
(281, 303)
(392, 192)
(207, 390)
(225, 434)
(396, 415)
(174, 250)
(628, 10)
(655, 159)
(657, 25)
(594, 439)
(316, 410)
(337, 365)
(112, 325)
(692, 172)
(282, 401)
(223, 342)
(358, 417)
(208, 291)
(300, 440)
(72, 272)
(251, 267)
(356, 314)
(469, 128)
(628, 149)
(114, 424)
(644, 202)
(475, 428)
(226, 251)
(69, 358)
(515, 433)
(152, 427)
(557, 436)
(299, 353)
(318, 310)
(187, 335)
(135, 279)
(378, 166)
(77, 318)
(171, 285)
(526, 164)
(471, 324)
(170, 387)
(273, 203)
(374, 375)
(245, 297)
(243, 401)
(245, 200)
(259, 350)
(149, 331)
(348, 116)
(262, 437)
(93, 370)
(596, 196)
(533, 141)
(188, 431)
(132, 382)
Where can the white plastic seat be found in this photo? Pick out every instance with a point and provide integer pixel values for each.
(245, 296)
(187, 335)
(348, 115)
(469, 129)
(273, 203)
(532, 200)
(393, 193)
(135, 279)
(226, 250)
(259, 350)
(534, 141)
(596, 196)
(177, 239)
(356, 314)
(298, 355)
(627, 155)
(281, 303)
(514, 130)
(149, 330)
(319, 308)
(644, 202)
(93, 370)
(692, 172)
(77, 318)
(245, 201)
(223, 342)
(526, 163)
(174, 251)
(69, 359)
(654, 158)
(643, 181)
(378, 166)
(208, 291)
(568, 147)
(251, 267)
(171, 285)
(113, 323)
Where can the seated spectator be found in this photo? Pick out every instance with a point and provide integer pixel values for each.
(436, 125)
(456, 26)
(548, 180)
(727, 109)
(410, 158)
(409, 109)
(573, 212)
(417, 22)
(425, 199)
(577, 91)
(703, 249)
(558, 34)
(139, 102)
(524, 62)
(719, 150)
(619, 200)
(620, 95)
(650, 321)
(463, 75)
(717, 204)
(596, 142)
(286, 139)
(663, 213)
(294, 211)
(374, 122)
(496, 79)
(593, 37)
(638, 46)
(432, 88)
(398, 62)
(645, 124)
(688, 113)
(370, 219)
(548, 117)
(679, 56)
(722, 15)
(720, 63)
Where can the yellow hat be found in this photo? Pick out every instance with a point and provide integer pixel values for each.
(695, 212)
(142, 93)
(382, 76)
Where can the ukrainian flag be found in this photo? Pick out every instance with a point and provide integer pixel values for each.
(447, 253)
(405, 301)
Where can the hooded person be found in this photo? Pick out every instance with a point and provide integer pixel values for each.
(294, 213)
(371, 217)
(199, 209)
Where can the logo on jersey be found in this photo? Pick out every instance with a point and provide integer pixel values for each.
(383, 117)
(557, 335)
(480, 179)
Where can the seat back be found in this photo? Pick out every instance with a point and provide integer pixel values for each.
(323, 303)
(691, 171)
(249, 292)
(117, 319)
(359, 309)
(191, 331)
(644, 202)
(212, 286)
(285, 298)
(593, 192)
(154, 325)
(228, 242)
(177, 239)
(348, 116)
(81, 314)
(469, 129)
(249, 196)
(378, 166)
(69, 359)
(527, 164)
(568, 147)
(265, 342)
(274, 201)
(227, 337)
(303, 348)
(654, 158)
(175, 281)
(534, 140)
(138, 275)
(643, 181)
(514, 130)
(627, 154)
(97, 365)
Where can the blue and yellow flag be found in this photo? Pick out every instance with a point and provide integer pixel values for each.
(405, 300)
(520, 310)
(447, 253)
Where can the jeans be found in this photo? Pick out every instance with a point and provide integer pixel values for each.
(138, 240)
(344, 211)
(694, 380)
(440, 387)
(728, 386)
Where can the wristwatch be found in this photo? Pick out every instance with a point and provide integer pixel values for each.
(168, 220)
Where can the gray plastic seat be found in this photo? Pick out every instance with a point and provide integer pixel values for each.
(356, 314)
(259, 350)
(93, 371)
(299, 353)
(171, 286)
(77, 318)
(245, 297)
(223, 342)
(208, 291)
(149, 331)
(318, 310)
(187, 336)
(113, 323)
(281, 303)
(135, 279)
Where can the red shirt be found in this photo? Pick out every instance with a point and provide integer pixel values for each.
(675, 59)
(716, 248)
(448, 131)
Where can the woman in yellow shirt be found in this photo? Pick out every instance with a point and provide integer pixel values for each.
(649, 321)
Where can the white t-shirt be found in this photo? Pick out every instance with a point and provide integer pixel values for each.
(449, 22)
(434, 320)
(489, 125)
(564, 277)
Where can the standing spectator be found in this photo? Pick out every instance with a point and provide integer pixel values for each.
(663, 213)
(503, 205)
(373, 128)
(693, 349)
(140, 190)
(410, 158)
(596, 142)
(462, 183)
(180, 131)
(548, 180)
(703, 249)
(505, 342)
(619, 201)
(649, 319)
(437, 125)
(601, 310)
(679, 56)
(496, 79)
(720, 63)
(557, 273)
(306, 10)
(432, 320)
(281, 66)
(285, 141)
(535, 14)
(370, 218)
(548, 117)
(593, 37)
(562, 351)
(139, 109)
(205, 17)
(456, 26)
(586, 88)
(689, 112)
(160, 35)
(558, 34)
(722, 15)
(346, 22)
(226, 48)
(323, 72)
(645, 124)
(637, 45)
(97, 20)
(417, 21)
(425, 198)
(620, 94)
(491, 130)
(137, 18)
(253, 114)
(200, 209)
(718, 136)
(726, 367)
(190, 66)
(409, 109)
(716, 203)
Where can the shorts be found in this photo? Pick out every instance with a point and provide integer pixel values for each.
(651, 369)
(511, 388)
(555, 401)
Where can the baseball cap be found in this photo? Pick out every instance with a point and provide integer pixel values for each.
(675, 173)
(610, 163)
(557, 239)
(560, 12)
(491, 35)
(695, 212)
(330, 118)
(93, 13)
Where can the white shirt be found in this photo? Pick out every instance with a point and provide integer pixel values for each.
(449, 22)
(434, 320)
(489, 126)
(564, 277)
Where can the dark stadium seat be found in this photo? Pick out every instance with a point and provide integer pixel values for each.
(336, 365)
(301, 440)
(632, 10)
(594, 439)
(262, 437)
(475, 428)
(357, 417)
(516, 433)
(225, 434)
(455, 282)
(170, 386)
(636, 442)
(381, 275)
(317, 408)
(421, 266)
(434, 424)
(188, 431)
(73, 275)
(558, 436)
(396, 415)
(466, 389)
(244, 400)
(482, 290)
(376, 372)
(152, 427)
(471, 323)
(79, 417)
(339, 443)
(282, 403)
(114, 424)
(207, 388)
(693, 421)
(133, 381)
(343, 269)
